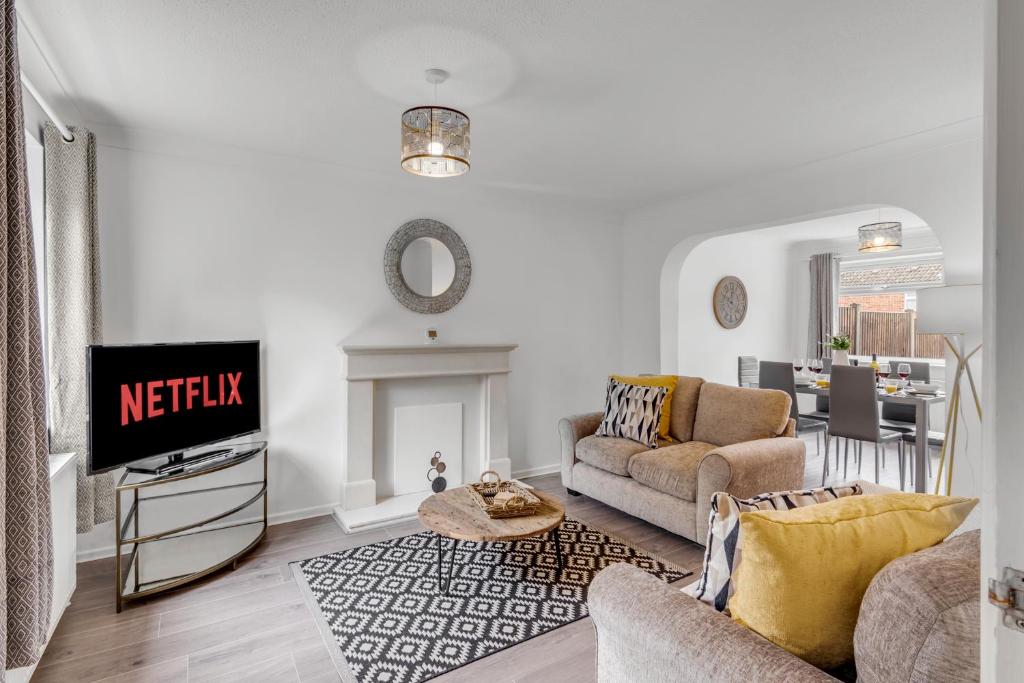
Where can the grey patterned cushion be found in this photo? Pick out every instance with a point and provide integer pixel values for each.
(632, 412)
(722, 556)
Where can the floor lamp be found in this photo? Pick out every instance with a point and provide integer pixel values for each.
(955, 313)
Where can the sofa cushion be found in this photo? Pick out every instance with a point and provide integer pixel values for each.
(684, 408)
(609, 453)
(632, 411)
(728, 415)
(671, 469)
(919, 618)
(668, 382)
(724, 541)
(805, 571)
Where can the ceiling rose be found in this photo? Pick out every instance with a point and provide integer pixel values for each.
(435, 139)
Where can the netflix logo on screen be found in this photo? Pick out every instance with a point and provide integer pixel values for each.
(147, 400)
(139, 403)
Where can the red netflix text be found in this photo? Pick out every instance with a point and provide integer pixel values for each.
(146, 400)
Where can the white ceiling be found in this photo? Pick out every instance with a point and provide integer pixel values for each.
(612, 102)
(844, 226)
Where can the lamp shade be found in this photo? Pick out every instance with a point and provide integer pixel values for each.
(954, 309)
(435, 142)
(879, 237)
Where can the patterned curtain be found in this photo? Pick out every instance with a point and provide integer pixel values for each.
(73, 306)
(824, 304)
(26, 560)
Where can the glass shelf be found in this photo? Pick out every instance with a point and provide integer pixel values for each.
(221, 523)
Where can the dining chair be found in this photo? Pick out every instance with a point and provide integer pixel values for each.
(747, 371)
(854, 415)
(935, 440)
(901, 417)
(820, 411)
(776, 375)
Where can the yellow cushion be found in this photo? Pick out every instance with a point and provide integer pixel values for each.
(667, 381)
(804, 571)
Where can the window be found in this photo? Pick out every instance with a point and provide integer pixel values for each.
(878, 302)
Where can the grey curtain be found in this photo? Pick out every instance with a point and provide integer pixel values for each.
(824, 304)
(26, 560)
(73, 305)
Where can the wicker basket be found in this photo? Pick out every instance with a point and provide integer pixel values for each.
(501, 499)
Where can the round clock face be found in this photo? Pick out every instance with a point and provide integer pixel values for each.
(730, 302)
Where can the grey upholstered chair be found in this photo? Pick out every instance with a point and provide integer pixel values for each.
(820, 411)
(775, 375)
(746, 374)
(901, 417)
(854, 415)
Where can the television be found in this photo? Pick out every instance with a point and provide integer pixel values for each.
(148, 400)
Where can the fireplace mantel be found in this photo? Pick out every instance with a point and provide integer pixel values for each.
(366, 362)
(366, 365)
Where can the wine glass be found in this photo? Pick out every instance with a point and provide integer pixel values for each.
(884, 370)
(798, 365)
(814, 365)
(903, 370)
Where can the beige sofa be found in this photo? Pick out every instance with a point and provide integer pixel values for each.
(919, 621)
(732, 439)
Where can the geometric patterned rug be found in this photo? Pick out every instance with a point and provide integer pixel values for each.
(381, 601)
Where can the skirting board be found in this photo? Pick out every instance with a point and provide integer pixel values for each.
(537, 471)
(272, 520)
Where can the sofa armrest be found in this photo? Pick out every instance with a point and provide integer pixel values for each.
(650, 631)
(747, 469)
(571, 429)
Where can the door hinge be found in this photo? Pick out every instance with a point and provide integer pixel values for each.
(1008, 595)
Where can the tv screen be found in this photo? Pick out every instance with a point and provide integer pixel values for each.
(160, 399)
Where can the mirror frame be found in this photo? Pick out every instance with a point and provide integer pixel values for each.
(402, 238)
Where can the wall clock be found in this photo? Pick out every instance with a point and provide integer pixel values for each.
(730, 302)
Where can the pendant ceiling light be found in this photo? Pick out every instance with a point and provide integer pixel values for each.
(435, 140)
(881, 236)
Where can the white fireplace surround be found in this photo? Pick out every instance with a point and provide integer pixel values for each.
(364, 366)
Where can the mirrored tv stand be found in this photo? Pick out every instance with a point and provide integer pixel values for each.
(220, 523)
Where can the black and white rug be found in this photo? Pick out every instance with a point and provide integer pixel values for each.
(381, 601)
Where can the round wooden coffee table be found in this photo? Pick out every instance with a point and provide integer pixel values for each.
(454, 514)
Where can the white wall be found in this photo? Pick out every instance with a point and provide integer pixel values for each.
(936, 175)
(223, 244)
(708, 350)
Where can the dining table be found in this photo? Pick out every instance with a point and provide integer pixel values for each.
(921, 402)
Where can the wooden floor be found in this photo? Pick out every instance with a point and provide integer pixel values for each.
(252, 624)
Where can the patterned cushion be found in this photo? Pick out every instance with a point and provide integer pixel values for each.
(722, 556)
(632, 412)
(667, 381)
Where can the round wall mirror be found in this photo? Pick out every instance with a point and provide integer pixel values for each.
(427, 266)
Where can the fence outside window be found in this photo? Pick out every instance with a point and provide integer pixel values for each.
(886, 333)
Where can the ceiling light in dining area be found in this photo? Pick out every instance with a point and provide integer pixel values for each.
(879, 237)
(435, 139)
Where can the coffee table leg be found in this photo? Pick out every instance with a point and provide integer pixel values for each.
(440, 554)
(451, 565)
(558, 548)
(442, 585)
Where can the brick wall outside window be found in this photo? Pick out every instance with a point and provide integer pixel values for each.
(892, 302)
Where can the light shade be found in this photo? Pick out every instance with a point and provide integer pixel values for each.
(876, 237)
(955, 309)
(435, 142)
